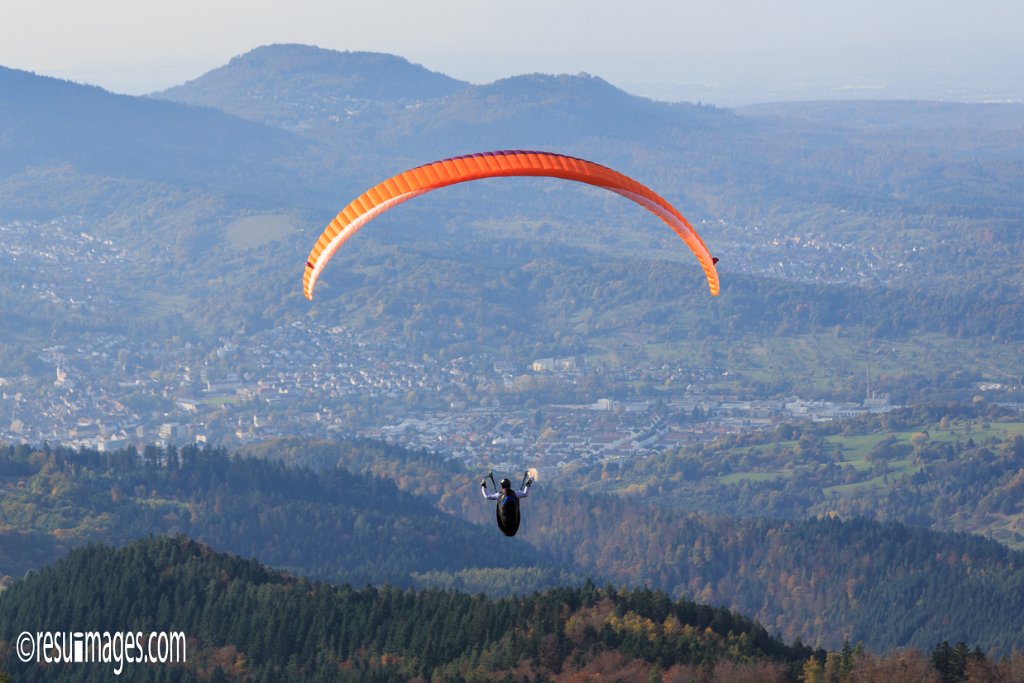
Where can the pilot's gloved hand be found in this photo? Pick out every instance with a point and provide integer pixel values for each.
(483, 483)
(529, 483)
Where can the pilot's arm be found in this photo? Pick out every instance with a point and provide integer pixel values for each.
(489, 496)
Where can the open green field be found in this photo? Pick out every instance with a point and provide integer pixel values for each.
(898, 468)
(828, 366)
(218, 401)
(737, 477)
(854, 450)
(251, 232)
(161, 304)
(823, 362)
(856, 447)
(973, 485)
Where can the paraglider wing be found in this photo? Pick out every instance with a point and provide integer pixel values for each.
(416, 181)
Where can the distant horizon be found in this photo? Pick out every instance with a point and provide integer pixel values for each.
(732, 53)
(716, 94)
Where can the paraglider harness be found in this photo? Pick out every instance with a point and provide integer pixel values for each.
(507, 510)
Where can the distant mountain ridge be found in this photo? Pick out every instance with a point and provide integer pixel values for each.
(47, 121)
(351, 75)
(334, 95)
(287, 85)
(735, 164)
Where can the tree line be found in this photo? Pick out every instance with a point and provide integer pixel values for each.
(245, 622)
(819, 578)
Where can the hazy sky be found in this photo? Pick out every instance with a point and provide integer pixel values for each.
(721, 51)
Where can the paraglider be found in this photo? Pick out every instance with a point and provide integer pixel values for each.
(506, 511)
(438, 174)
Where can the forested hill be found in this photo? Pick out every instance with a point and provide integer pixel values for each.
(819, 579)
(382, 102)
(245, 622)
(320, 77)
(885, 585)
(51, 122)
(332, 524)
(943, 466)
(748, 165)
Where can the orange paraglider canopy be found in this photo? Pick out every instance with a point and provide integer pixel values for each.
(432, 176)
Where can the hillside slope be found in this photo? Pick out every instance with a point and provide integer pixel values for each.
(819, 579)
(49, 122)
(244, 621)
(285, 85)
(329, 525)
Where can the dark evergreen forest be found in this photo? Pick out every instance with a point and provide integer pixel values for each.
(818, 579)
